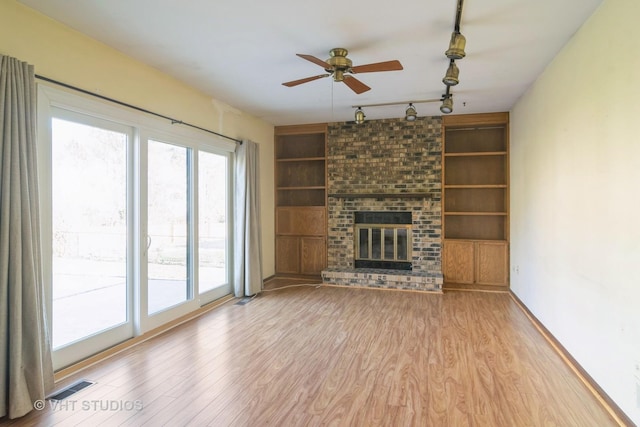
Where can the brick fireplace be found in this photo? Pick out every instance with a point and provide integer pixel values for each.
(391, 166)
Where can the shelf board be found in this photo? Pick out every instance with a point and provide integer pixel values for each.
(482, 120)
(476, 213)
(308, 129)
(303, 207)
(476, 153)
(301, 188)
(301, 159)
(445, 240)
(478, 186)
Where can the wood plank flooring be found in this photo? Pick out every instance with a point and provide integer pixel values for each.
(308, 356)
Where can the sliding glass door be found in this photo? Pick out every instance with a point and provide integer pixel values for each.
(169, 226)
(213, 223)
(90, 251)
(135, 219)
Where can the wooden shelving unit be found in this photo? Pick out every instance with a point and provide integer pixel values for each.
(476, 199)
(301, 199)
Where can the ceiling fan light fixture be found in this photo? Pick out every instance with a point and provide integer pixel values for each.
(410, 114)
(456, 46)
(359, 116)
(451, 77)
(447, 104)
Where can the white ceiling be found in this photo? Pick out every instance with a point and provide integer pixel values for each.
(240, 51)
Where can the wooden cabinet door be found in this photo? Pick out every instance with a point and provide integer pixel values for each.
(307, 221)
(313, 255)
(287, 254)
(458, 261)
(492, 263)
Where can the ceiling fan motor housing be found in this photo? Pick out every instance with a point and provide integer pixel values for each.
(339, 63)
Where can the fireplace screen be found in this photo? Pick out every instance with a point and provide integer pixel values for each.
(383, 245)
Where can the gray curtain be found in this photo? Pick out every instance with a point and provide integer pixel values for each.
(26, 372)
(247, 236)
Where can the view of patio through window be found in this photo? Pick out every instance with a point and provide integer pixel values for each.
(212, 214)
(89, 227)
(168, 225)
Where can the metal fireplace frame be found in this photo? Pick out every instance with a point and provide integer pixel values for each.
(384, 262)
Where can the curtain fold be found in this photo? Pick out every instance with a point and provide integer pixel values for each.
(26, 372)
(247, 236)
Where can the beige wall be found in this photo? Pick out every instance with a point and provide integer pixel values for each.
(575, 199)
(63, 54)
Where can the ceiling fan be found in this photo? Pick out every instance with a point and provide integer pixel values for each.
(339, 66)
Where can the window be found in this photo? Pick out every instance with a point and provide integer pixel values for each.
(136, 225)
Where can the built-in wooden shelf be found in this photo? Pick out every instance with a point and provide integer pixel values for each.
(301, 199)
(475, 199)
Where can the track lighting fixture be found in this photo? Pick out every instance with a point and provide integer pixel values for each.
(410, 114)
(447, 103)
(456, 46)
(451, 77)
(455, 51)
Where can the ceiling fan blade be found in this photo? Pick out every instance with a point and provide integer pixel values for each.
(356, 85)
(315, 60)
(305, 80)
(394, 65)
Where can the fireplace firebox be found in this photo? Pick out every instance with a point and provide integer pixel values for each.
(383, 240)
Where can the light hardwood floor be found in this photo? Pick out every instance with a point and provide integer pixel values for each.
(337, 356)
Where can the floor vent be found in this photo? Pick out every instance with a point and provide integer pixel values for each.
(244, 301)
(71, 390)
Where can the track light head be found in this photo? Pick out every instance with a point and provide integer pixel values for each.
(456, 46)
(410, 114)
(447, 104)
(451, 77)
